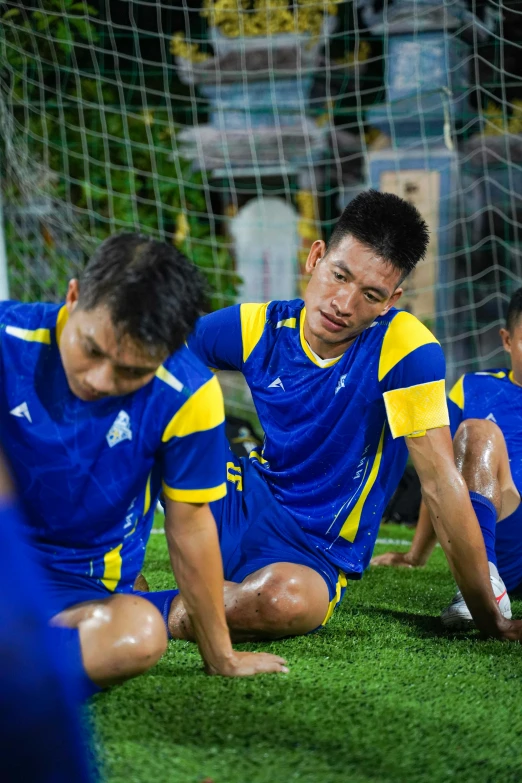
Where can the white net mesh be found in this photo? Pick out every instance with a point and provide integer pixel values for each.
(239, 129)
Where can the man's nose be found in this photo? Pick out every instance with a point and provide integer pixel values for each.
(344, 300)
(101, 378)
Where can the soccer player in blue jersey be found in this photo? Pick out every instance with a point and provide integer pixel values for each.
(102, 406)
(40, 735)
(345, 385)
(486, 421)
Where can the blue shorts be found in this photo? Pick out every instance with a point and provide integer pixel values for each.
(66, 590)
(508, 548)
(255, 531)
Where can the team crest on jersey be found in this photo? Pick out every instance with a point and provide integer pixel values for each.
(340, 384)
(120, 430)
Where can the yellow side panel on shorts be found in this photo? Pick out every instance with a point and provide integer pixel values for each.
(206, 495)
(456, 394)
(351, 526)
(404, 335)
(112, 572)
(414, 410)
(341, 582)
(253, 320)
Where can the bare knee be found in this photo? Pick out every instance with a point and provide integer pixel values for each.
(122, 638)
(282, 605)
(474, 434)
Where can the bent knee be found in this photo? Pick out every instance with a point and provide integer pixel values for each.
(477, 430)
(134, 633)
(284, 607)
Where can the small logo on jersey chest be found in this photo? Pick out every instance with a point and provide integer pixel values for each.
(22, 412)
(340, 384)
(277, 383)
(120, 430)
(491, 417)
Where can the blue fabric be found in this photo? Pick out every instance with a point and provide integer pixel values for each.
(325, 427)
(66, 590)
(68, 647)
(40, 733)
(255, 531)
(487, 519)
(89, 473)
(509, 549)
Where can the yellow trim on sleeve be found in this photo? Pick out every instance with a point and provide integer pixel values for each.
(306, 347)
(253, 320)
(63, 317)
(414, 410)
(256, 455)
(195, 495)
(456, 394)
(351, 526)
(404, 335)
(30, 335)
(112, 571)
(164, 375)
(341, 582)
(204, 410)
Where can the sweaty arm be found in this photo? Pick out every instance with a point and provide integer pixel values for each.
(193, 462)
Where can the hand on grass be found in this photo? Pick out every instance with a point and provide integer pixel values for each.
(397, 559)
(246, 664)
(511, 631)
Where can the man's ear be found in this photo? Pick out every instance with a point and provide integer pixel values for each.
(317, 251)
(393, 299)
(505, 336)
(73, 294)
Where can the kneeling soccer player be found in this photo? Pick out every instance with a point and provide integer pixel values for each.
(486, 420)
(102, 406)
(344, 385)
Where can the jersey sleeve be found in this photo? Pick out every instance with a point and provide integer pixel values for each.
(412, 371)
(456, 405)
(224, 340)
(194, 448)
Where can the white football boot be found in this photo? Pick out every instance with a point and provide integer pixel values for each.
(457, 614)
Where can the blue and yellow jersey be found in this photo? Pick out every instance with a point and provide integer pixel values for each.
(89, 473)
(333, 451)
(495, 396)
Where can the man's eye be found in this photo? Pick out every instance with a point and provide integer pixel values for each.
(371, 298)
(91, 351)
(338, 276)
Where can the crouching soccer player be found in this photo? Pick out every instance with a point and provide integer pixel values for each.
(102, 406)
(344, 385)
(486, 420)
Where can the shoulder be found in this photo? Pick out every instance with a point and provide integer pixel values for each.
(402, 334)
(29, 322)
(476, 382)
(195, 394)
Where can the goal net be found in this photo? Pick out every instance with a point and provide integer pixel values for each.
(239, 130)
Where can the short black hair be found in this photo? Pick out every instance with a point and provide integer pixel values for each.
(388, 225)
(153, 292)
(514, 310)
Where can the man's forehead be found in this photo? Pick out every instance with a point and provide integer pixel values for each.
(97, 327)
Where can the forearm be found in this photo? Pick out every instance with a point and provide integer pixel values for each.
(196, 562)
(424, 539)
(457, 529)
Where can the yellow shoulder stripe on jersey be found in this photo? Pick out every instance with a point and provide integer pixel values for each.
(63, 317)
(404, 335)
(306, 347)
(456, 394)
(164, 375)
(351, 526)
(291, 323)
(196, 495)
(31, 335)
(341, 582)
(253, 320)
(416, 409)
(112, 571)
(204, 410)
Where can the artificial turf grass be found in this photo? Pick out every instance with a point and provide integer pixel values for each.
(382, 694)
